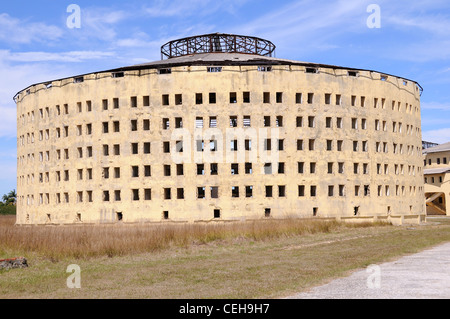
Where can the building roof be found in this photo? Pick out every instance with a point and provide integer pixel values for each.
(233, 59)
(431, 171)
(440, 148)
(222, 59)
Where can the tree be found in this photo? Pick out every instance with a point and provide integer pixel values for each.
(10, 198)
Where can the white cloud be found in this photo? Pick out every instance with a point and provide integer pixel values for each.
(8, 127)
(17, 77)
(182, 8)
(435, 106)
(14, 30)
(308, 25)
(437, 136)
(73, 56)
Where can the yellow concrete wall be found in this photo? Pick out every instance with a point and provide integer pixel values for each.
(398, 102)
(436, 183)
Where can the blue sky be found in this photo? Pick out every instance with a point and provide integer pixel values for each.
(36, 45)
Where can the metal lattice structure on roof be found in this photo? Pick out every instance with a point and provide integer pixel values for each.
(217, 42)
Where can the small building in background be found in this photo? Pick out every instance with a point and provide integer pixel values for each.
(437, 179)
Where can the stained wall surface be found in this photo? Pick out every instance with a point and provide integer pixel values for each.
(106, 147)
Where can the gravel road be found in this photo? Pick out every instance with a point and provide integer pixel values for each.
(425, 275)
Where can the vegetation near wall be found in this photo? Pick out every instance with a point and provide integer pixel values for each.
(8, 203)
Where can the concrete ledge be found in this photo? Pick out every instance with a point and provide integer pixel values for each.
(391, 219)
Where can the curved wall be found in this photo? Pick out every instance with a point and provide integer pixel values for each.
(353, 149)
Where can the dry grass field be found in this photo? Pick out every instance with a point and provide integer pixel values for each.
(257, 259)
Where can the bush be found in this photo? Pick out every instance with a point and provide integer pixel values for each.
(7, 209)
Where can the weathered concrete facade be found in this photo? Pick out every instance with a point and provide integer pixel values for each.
(437, 179)
(105, 147)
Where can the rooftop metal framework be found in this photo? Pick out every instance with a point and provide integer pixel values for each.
(217, 42)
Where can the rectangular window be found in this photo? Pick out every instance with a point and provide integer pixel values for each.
(167, 170)
(200, 169)
(269, 191)
(147, 171)
(116, 103)
(199, 122)
(313, 190)
(133, 101)
(212, 122)
(165, 123)
(135, 194)
(147, 148)
(235, 191)
(233, 121)
(234, 169)
(165, 99)
(180, 169)
(330, 190)
(166, 147)
(201, 192)
(214, 169)
(301, 190)
(180, 193)
(179, 122)
(117, 196)
(247, 121)
(312, 144)
(178, 99)
(248, 168)
(214, 69)
(147, 194)
(279, 121)
(281, 191)
(165, 71)
(246, 97)
(167, 193)
(116, 172)
(146, 125)
(134, 171)
(116, 126)
(233, 97)
(198, 98)
(279, 97)
(212, 98)
(146, 100)
(214, 192)
(299, 145)
(134, 148)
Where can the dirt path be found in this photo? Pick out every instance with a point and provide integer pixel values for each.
(425, 275)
